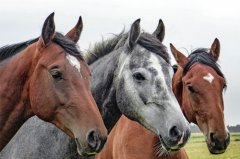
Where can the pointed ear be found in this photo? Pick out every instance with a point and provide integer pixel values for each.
(179, 57)
(215, 49)
(48, 30)
(134, 33)
(74, 33)
(160, 31)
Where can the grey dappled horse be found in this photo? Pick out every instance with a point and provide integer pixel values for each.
(131, 75)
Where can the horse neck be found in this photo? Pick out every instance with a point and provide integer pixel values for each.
(14, 100)
(103, 89)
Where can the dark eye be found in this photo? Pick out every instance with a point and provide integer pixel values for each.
(56, 74)
(138, 76)
(191, 89)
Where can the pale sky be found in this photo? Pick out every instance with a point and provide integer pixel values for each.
(189, 24)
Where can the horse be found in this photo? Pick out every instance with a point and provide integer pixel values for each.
(131, 75)
(198, 85)
(130, 140)
(205, 83)
(50, 79)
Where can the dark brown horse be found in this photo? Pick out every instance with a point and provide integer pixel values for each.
(198, 85)
(50, 79)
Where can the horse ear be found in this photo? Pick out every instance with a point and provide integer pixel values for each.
(179, 57)
(160, 31)
(215, 49)
(48, 30)
(134, 33)
(75, 32)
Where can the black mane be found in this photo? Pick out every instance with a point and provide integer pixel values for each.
(104, 47)
(146, 40)
(151, 43)
(202, 56)
(68, 45)
(11, 50)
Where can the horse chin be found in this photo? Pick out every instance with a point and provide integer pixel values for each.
(162, 149)
(215, 152)
(83, 151)
(212, 148)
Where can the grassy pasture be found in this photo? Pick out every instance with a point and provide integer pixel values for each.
(197, 149)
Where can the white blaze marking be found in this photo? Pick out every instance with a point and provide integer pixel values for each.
(74, 62)
(123, 60)
(209, 77)
(155, 64)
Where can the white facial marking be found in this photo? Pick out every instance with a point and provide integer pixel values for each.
(209, 77)
(155, 64)
(74, 62)
(123, 60)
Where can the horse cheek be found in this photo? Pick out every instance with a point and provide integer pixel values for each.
(41, 97)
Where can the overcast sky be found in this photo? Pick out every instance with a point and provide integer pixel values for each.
(189, 24)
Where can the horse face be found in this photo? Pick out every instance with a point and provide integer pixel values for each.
(144, 94)
(200, 94)
(60, 93)
(203, 88)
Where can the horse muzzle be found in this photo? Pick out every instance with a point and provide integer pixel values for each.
(216, 146)
(175, 140)
(93, 145)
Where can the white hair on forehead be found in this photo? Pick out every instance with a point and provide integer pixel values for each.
(209, 77)
(154, 62)
(74, 62)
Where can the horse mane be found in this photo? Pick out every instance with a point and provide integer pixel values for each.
(146, 40)
(13, 49)
(10, 50)
(68, 45)
(202, 56)
(151, 43)
(104, 47)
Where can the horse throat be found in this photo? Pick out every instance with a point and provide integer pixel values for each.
(103, 89)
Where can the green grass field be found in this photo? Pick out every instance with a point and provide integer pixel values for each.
(197, 149)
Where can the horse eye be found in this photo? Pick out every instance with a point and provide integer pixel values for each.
(191, 89)
(138, 76)
(56, 74)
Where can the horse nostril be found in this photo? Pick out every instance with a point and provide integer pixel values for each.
(212, 138)
(175, 133)
(93, 140)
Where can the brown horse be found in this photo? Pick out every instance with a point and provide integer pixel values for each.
(50, 79)
(198, 85)
(130, 140)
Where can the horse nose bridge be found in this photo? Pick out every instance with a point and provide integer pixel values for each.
(217, 125)
(89, 113)
(174, 108)
(176, 118)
